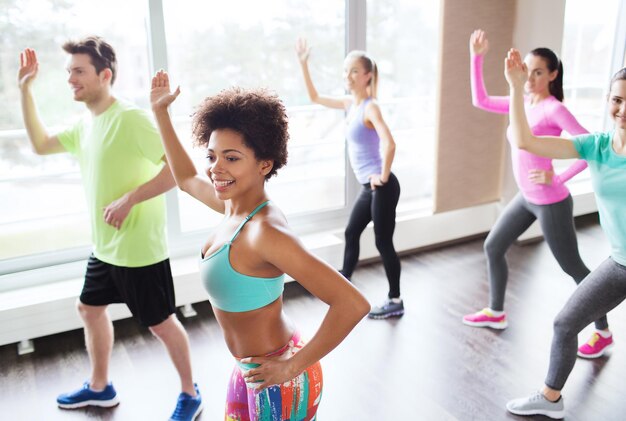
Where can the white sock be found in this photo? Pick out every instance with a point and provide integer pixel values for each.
(396, 300)
(495, 313)
(605, 334)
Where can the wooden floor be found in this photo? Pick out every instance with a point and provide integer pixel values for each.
(424, 366)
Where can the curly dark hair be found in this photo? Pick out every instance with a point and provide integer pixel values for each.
(257, 114)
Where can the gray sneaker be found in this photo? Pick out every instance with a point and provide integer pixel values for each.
(388, 309)
(537, 404)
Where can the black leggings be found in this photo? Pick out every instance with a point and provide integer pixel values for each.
(378, 205)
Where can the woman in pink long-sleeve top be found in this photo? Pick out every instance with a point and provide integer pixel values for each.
(543, 195)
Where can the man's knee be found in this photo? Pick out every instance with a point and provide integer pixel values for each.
(165, 327)
(89, 313)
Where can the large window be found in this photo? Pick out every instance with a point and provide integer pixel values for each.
(403, 39)
(216, 45)
(588, 54)
(207, 46)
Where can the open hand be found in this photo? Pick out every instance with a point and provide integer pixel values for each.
(29, 67)
(479, 44)
(515, 70)
(303, 50)
(160, 95)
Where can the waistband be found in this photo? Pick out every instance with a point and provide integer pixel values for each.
(295, 339)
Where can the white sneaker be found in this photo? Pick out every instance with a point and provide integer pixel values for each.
(537, 404)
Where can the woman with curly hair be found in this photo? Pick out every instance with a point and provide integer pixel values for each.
(277, 375)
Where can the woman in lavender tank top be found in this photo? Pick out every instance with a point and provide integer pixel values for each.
(371, 149)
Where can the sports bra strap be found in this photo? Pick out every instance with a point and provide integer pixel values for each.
(258, 208)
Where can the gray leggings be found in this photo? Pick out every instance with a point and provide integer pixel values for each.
(557, 225)
(598, 294)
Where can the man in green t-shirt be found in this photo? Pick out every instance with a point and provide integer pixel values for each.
(124, 176)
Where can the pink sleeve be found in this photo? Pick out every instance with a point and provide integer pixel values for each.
(567, 122)
(571, 171)
(480, 98)
(562, 117)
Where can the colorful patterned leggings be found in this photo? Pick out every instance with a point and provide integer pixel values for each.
(295, 400)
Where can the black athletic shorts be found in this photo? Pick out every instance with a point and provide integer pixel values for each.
(148, 291)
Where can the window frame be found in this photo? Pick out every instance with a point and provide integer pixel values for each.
(181, 243)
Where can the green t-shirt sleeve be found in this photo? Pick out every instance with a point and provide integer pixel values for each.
(585, 144)
(70, 138)
(146, 136)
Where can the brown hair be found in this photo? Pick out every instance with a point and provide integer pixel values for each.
(101, 53)
(619, 75)
(257, 114)
(553, 64)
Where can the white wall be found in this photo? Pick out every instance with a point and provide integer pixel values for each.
(539, 23)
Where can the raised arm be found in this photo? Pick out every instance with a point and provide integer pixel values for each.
(373, 115)
(303, 51)
(479, 45)
(40, 140)
(551, 147)
(183, 169)
(347, 306)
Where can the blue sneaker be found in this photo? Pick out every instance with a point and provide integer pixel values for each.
(188, 407)
(85, 396)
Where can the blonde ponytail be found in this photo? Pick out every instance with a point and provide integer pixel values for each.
(374, 80)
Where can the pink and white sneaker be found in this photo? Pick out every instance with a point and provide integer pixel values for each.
(596, 346)
(485, 318)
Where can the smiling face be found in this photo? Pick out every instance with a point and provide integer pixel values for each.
(617, 103)
(87, 85)
(356, 77)
(539, 76)
(233, 167)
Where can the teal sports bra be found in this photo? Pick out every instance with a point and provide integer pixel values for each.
(232, 291)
